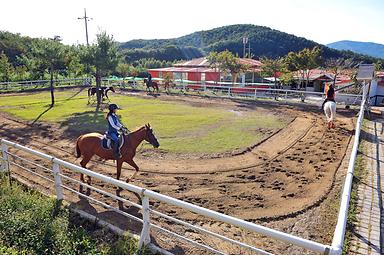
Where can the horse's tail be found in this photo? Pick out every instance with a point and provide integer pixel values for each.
(78, 151)
(89, 92)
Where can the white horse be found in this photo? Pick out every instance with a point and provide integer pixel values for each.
(330, 113)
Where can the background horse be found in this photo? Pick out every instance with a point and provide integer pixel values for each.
(103, 92)
(168, 85)
(90, 144)
(330, 113)
(151, 84)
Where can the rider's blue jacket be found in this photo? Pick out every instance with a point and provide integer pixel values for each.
(113, 124)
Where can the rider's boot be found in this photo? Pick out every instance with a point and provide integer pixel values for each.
(116, 151)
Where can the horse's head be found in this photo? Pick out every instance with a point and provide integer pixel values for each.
(112, 89)
(150, 136)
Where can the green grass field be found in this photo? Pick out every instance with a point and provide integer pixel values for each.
(178, 126)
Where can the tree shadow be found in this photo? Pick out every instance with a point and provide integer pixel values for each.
(75, 94)
(41, 114)
(89, 121)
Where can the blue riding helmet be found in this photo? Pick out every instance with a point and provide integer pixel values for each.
(112, 107)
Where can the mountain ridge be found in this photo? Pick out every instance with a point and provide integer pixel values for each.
(264, 41)
(368, 48)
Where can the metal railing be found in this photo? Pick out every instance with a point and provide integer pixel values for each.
(148, 212)
(338, 238)
(257, 91)
(17, 86)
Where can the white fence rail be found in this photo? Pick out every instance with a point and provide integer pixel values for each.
(263, 90)
(338, 238)
(13, 86)
(148, 213)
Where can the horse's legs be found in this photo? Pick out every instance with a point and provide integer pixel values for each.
(133, 164)
(83, 163)
(118, 166)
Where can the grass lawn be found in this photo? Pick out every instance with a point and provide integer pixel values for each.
(179, 127)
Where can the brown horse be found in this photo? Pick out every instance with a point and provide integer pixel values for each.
(90, 144)
(151, 84)
(168, 85)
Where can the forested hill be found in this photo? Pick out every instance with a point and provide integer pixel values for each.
(367, 48)
(264, 42)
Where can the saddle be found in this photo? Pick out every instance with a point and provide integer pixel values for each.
(106, 141)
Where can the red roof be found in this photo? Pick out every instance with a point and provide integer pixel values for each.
(185, 69)
(203, 62)
(320, 74)
(197, 62)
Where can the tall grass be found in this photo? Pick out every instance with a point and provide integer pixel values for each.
(33, 224)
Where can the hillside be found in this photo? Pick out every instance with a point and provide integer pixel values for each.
(367, 48)
(264, 41)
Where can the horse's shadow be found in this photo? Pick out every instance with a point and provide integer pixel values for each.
(110, 215)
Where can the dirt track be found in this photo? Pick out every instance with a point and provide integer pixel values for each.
(282, 178)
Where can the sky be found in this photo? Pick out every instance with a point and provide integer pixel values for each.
(323, 21)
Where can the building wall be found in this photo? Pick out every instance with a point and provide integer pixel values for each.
(154, 74)
(194, 76)
(212, 76)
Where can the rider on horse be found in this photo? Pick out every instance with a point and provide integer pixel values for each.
(330, 95)
(114, 126)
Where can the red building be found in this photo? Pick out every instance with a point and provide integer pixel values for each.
(198, 70)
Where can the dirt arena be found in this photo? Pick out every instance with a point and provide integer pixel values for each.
(285, 182)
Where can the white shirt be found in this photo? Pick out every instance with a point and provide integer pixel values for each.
(116, 126)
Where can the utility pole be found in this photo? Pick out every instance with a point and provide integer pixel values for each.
(86, 26)
(249, 49)
(245, 41)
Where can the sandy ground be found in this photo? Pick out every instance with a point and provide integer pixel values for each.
(283, 182)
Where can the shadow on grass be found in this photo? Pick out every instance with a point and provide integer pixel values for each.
(41, 114)
(75, 94)
(80, 123)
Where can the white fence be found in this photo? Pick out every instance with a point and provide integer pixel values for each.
(263, 90)
(147, 212)
(14, 86)
(56, 166)
(255, 91)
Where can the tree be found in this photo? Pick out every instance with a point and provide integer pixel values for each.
(287, 78)
(103, 56)
(47, 55)
(379, 66)
(6, 68)
(226, 62)
(303, 62)
(336, 66)
(271, 67)
(72, 62)
(123, 69)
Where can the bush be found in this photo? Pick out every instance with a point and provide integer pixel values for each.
(33, 224)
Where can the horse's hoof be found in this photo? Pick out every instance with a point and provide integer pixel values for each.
(128, 180)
